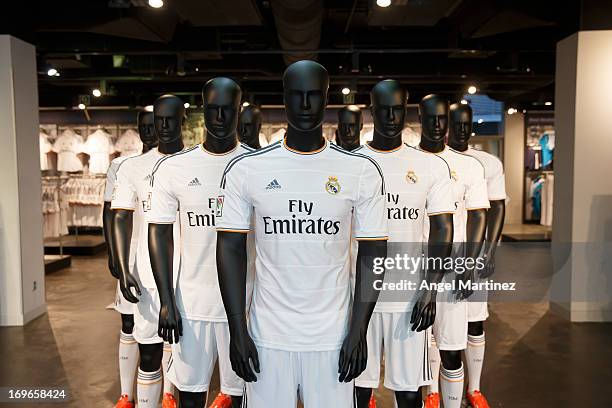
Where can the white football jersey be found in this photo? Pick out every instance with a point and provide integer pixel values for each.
(132, 192)
(494, 173)
(469, 188)
(188, 182)
(418, 186)
(303, 206)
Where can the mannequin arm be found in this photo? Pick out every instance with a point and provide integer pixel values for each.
(440, 245)
(475, 234)
(232, 270)
(107, 223)
(121, 238)
(495, 225)
(354, 352)
(161, 253)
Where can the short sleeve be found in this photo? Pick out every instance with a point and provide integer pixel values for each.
(56, 145)
(496, 182)
(124, 194)
(440, 195)
(370, 208)
(163, 201)
(476, 196)
(111, 176)
(234, 207)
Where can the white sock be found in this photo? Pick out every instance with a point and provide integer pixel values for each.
(474, 356)
(168, 386)
(451, 385)
(434, 362)
(149, 388)
(128, 362)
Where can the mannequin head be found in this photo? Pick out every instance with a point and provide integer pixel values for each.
(168, 113)
(305, 93)
(221, 98)
(146, 130)
(249, 125)
(433, 112)
(460, 128)
(388, 106)
(350, 123)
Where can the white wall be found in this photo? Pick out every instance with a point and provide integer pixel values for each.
(22, 290)
(514, 161)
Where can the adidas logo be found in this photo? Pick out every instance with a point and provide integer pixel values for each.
(273, 185)
(193, 183)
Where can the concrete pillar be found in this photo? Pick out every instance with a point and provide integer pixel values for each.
(582, 215)
(514, 162)
(22, 276)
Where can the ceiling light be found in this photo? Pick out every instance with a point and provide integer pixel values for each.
(472, 89)
(186, 105)
(480, 120)
(245, 104)
(149, 108)
(156, 3)
(97, 93)
(548, 103)
(346, 91)
(511, 111)
(81, 106)
(52, 72)
(57, 74)
(473, 134)
(383, 3)
(464, 102)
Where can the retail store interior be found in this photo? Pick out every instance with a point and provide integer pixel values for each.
(536, 74)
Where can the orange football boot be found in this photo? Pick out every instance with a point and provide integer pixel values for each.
(372, 403)
(123, 402)
(432, 400)
(477, 400)
(222, 401)
(168, 401)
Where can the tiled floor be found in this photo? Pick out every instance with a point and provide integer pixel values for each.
(533, 357)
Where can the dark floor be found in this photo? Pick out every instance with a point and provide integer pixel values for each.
(534, 358)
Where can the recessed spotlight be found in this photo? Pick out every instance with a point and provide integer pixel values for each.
(245, 104)
(548, 103)
(346, 91)
(473, 134)
(511, 111)
(52, 72)
(480, 120)
(186, 105)
(149, 108)
(197, 69)
(81, 106)
(472, 89)
(97, 93)
(383, 3)
(464, 102)
(156, 3)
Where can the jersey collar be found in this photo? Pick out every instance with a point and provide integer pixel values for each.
(398, 148)
(319, 150)
(218, 154)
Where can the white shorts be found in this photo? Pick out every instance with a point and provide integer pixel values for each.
(120, 304)
(146, 317)
(451, 325)
(314, 374)
(478, 311)
(193, 358)
(406, 354)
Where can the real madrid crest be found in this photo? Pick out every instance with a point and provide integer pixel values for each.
(332, 186)
(411, 177)
(454, 175)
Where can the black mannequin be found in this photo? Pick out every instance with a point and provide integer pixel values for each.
(388, 109)
(433, 112)
(168, 112)
(305, 94)
(149, 141)
(249, 125)
(459, 135)
(350, 123)
(221, 98)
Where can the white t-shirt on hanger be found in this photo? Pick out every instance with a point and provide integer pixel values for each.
(45, 147)
(129, 143)
(99, 147)
(67, 146)
(276, 136)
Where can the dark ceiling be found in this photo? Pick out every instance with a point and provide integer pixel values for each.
(135, 53)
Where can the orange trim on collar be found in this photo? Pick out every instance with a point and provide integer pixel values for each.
(218, 154)
(305, 153)
(384, 151)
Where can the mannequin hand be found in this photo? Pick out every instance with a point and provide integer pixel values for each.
(488, 270)
(113, 270)
(170, 326)
(242, 353)
(353, 356)
(127, 283)
(466, 292)
(424, 311)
